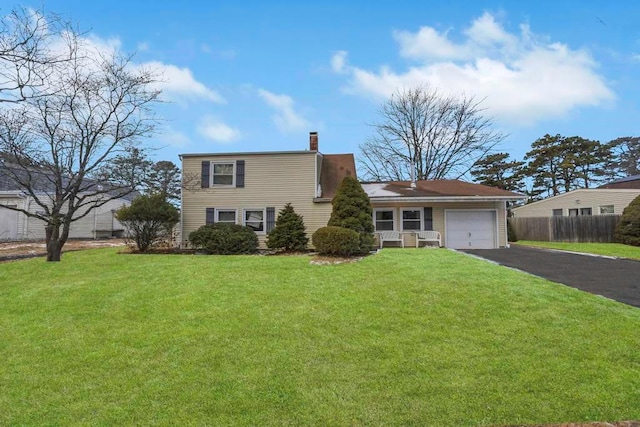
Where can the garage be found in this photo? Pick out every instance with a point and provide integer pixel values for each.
(471, 229)
(8, 224)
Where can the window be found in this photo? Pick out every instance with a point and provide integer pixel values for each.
(557, 212)
(222, 173)
(383, 219)
(585, 211)
(411, 219)
(254, 219)
(226, 215)
(607, 209)
(573, 212)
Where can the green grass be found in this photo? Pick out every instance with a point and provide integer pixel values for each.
(608, 249)
(405, 337)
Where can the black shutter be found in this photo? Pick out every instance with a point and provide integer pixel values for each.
(211, 216)
(428, 219)
(239, 173)
(271, 219)
(204, 176)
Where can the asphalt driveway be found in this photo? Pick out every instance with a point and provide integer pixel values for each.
(618, 279)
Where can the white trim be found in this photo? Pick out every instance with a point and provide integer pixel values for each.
(496, 235)
(393, 220)
(264, 219)
(217, 213)
(420, 219)
(222, 162)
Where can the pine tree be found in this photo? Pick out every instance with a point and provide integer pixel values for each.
(289, 232)
(352, 210)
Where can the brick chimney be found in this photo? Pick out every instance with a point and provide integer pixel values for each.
(313, 141)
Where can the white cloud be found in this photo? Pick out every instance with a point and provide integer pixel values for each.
(524, 78)
(172, 137)
(338, 61)
(143, 46)
(179, 84)
(286, 118)
(217, 131)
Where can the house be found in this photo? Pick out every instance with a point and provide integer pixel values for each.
(468, 216)
(15, 225)
(604, 200)
(631, 182)
(250, 188)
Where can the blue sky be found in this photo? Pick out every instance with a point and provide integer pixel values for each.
(256, 76)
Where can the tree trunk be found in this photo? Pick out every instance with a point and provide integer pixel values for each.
(54, 242)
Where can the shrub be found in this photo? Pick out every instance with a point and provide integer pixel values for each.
(289, 232)
(628, 229)
(148, 219)
(225, 239)
(352, 210)
(511, 232)
(332, 240)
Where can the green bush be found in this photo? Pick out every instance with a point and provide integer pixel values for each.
(148, 219)
(352, 210)
(336, 241)
(225, 239)
(289, 232)
(628, 229)
(511, 232)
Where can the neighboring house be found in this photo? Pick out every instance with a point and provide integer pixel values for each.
(250, 189)
(468, 216)
(14, 225)
(630, 182)
(606, 200)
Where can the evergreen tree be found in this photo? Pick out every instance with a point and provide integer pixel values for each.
(289, 232)
(352, 210)
(495, 170)
(628, 229)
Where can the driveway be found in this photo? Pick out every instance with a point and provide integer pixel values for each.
(618, 279)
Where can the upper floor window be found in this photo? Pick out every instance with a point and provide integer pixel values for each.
(222, 173)
(585, 211)
(557, 212)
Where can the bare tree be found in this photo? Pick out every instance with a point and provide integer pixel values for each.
(32, 47)
(437, 136)
(99, 106)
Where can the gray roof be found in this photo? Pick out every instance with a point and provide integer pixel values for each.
(42, 181)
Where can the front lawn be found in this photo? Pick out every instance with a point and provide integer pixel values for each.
(405, 337)
(608, 249)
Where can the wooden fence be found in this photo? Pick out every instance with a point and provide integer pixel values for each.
(587, 228)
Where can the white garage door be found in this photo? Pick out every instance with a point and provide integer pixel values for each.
(470, 229)
(8, 224)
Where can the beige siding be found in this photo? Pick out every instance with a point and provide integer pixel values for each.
(439, 213)
(271, 180)
(577, 199)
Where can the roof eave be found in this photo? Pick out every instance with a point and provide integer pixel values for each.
(447, 199)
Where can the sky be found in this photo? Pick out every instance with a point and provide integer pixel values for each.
(260, 75)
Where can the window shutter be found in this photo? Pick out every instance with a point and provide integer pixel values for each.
(271, 219)
(428, 219)
(204, 176)
(211, 216)
(239, 173)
